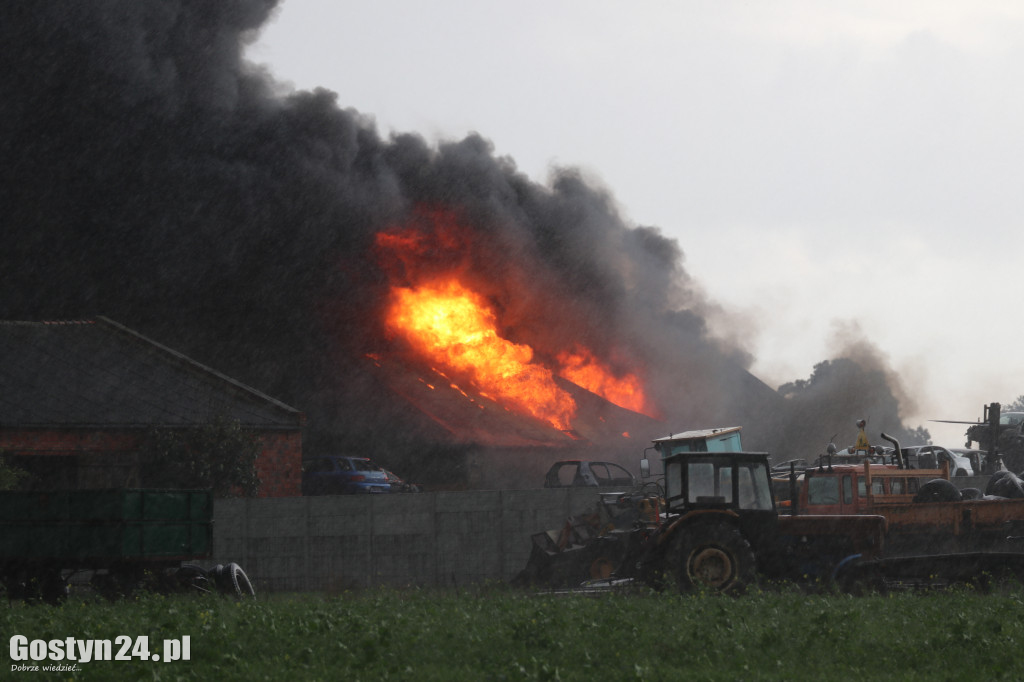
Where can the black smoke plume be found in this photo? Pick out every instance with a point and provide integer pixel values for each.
(150, 174)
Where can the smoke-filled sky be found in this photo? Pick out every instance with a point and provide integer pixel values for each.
(833, 172)
(813, 186)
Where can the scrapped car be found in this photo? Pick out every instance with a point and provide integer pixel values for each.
(342, 475)
(576, 473)
(980, 461)
(932, 457)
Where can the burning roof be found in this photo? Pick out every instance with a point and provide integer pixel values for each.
(439, 309)
(465, 416)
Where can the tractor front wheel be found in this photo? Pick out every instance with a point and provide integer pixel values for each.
(713, 556)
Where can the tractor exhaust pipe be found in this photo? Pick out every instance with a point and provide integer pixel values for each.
(899, 452)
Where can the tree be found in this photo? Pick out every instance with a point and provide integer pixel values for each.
(918, 434)
(219, 455)
(1016, 406)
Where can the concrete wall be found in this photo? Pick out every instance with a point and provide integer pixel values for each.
(332, 543)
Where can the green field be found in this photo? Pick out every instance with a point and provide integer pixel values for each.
(497, 634)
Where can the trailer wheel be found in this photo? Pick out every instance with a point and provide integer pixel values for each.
(712, 555)
(232, 580)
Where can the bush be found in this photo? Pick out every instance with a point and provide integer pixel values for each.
(219, 455)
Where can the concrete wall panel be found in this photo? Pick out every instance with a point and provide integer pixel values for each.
(334, 543)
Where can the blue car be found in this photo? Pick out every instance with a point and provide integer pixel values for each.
(342, 475)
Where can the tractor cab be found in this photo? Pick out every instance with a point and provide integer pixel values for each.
(721, 480)
(707, 469)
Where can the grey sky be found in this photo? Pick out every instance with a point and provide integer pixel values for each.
(828, 168)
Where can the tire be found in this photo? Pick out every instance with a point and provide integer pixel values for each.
(711, 555)
(994, 479)
(193, 578)
(232, 580)
(970, 494)
(938, 490)
(1008, 485)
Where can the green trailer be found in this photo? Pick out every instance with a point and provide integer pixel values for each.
(126, 538)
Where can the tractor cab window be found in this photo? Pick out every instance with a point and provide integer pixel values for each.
(897, 486)
(823, 490)
(709, 482)
(754, 486)
(724, 483)
(673, 479)
(847, 490)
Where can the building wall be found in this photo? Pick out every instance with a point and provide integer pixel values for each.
(66, 441)
(334, 543)
(98, 458)
(279, 465)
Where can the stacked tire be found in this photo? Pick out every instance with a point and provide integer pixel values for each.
(1005, 484)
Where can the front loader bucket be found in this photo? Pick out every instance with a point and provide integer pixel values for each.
(549, 566)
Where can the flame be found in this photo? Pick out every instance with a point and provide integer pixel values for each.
(454, 325)
(455, 328)
(583, 369)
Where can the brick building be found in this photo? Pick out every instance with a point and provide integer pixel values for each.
(76, 398)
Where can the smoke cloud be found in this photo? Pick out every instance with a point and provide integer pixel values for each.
(149, 174)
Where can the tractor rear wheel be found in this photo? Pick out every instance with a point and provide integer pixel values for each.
(712, 555)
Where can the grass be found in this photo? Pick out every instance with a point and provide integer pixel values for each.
(498, 634)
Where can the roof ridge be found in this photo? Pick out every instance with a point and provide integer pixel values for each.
(196, 365)
(98, 369)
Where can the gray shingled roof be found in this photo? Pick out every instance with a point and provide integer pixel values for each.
(100, 374)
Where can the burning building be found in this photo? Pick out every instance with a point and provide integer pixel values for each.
(500, 355)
